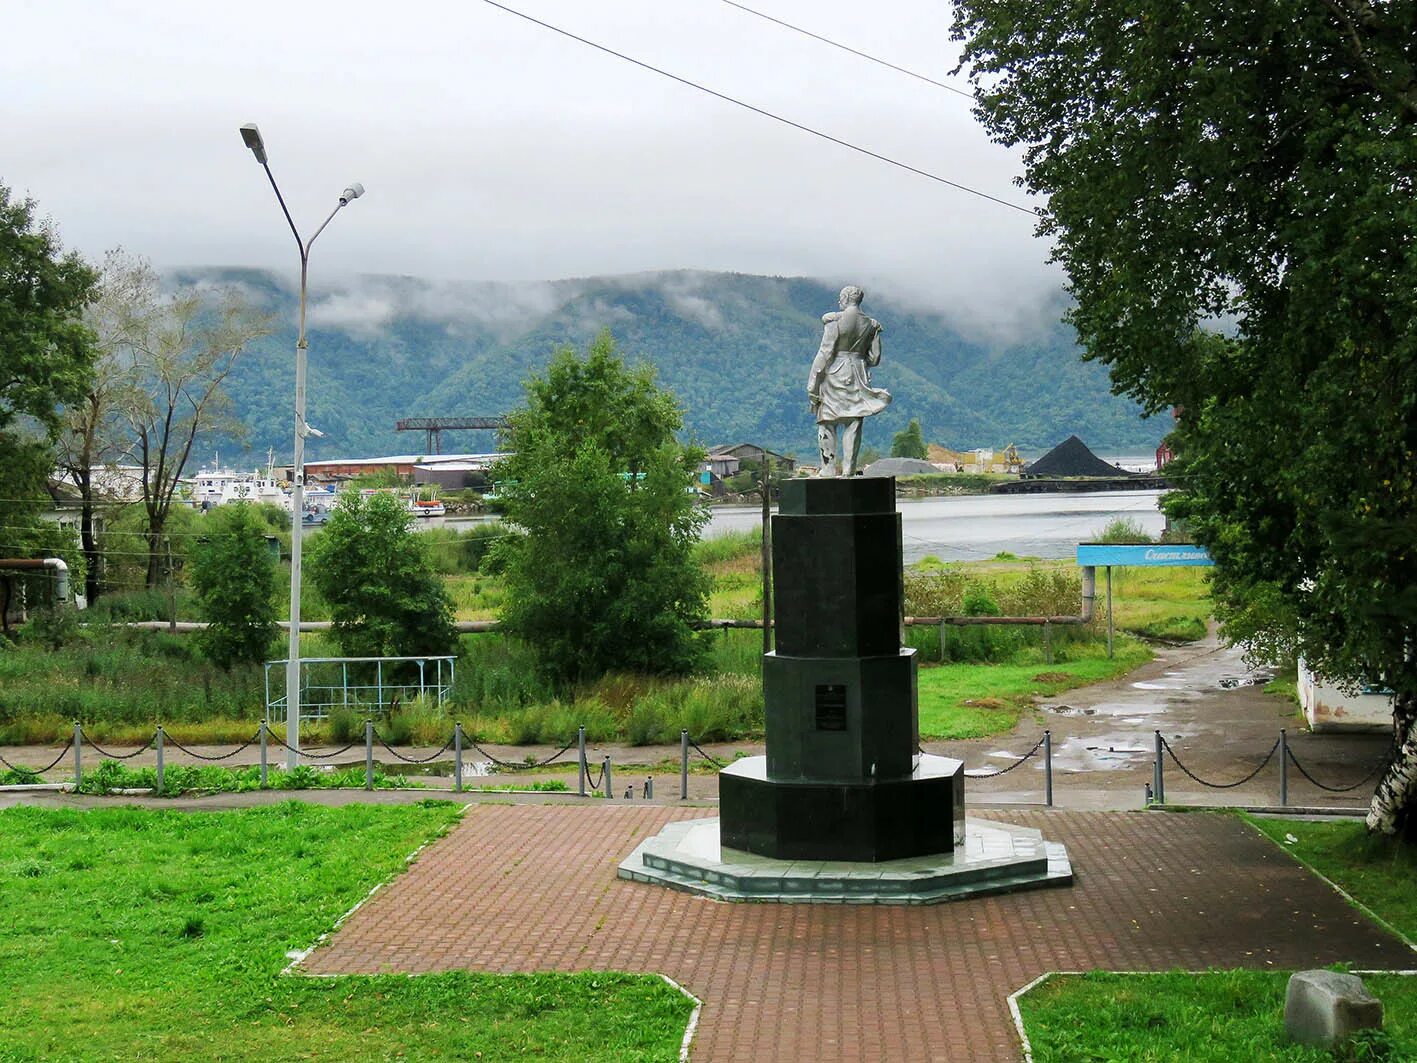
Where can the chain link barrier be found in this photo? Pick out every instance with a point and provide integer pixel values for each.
(522, 765)
(314, 756)
(417, 760)
(708, 757)
(1221, 785)
(1381, 766)
(116, 756)
(40, 771)
(169, 740)
(1004, 771)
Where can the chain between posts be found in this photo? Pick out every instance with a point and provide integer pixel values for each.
(202, 756)
(1222, 785)
(117, 756)
(523, 765)
(40, 771)
(1377, 769)
(595, 783)
(417, 760)
(708, 757)
(1004, 771)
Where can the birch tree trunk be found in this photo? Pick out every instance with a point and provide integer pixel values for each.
(1394, 806)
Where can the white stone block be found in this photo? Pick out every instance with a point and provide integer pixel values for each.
(1328, 1007)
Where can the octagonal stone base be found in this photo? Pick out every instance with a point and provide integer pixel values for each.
(847, 819)
(994, 858)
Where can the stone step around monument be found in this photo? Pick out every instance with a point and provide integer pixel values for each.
(996, 858)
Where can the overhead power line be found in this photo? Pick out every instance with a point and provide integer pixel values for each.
(758, 110)
(853, 51)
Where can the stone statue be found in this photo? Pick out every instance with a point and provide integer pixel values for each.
(839, 385)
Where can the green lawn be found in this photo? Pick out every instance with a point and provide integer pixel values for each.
(979, 700)
(1216, 1017)
(1238, 1015)
(139, 935)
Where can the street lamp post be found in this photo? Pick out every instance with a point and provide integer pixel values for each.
(252, 138)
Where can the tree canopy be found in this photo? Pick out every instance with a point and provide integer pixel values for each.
(386, 597)
(233, 575)
(1232, 190)
(602, 575)
(46, 361)
(909, 442)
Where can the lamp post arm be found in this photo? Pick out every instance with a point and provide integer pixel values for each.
(321, 228)
(286, 211)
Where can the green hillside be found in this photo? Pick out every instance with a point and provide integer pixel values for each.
(735, 348)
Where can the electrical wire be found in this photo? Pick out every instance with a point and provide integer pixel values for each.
(765, 113)
(853, 51)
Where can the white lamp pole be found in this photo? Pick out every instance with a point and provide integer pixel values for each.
(252, 138)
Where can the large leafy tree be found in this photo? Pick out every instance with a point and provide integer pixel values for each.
(602, 576)
(233, 574)
(385, 595)
(166, 359)
(1250, 170)
(46, 361)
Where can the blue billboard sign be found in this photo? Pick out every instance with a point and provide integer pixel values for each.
(1107, 555)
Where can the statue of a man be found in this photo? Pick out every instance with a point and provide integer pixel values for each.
(839, 386)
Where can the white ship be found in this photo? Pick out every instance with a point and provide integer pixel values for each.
(218, 486)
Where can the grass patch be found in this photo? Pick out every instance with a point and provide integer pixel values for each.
(137, 935)
(980, 700)
(1219, 1017)
(1238, 1015)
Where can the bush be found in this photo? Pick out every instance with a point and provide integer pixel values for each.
(1122, 531)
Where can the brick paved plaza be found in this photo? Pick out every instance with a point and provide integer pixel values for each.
(533, 887)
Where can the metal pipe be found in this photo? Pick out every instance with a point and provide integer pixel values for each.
(457, 758)
(684, 765)
(1048, 768)
(1156, 770)
(1283, 767)
(161, 774)
(78, 754)
(263, 754)
(581, 766)
(368, 754)
(609, 789)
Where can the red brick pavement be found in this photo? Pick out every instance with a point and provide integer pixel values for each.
(525, 888)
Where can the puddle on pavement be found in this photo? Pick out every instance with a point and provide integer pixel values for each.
(1257, 678)
(1135, 709)
(1094, 753)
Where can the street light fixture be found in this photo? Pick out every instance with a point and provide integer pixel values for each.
(251, 136)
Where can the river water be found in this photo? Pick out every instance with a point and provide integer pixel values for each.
(976, 527)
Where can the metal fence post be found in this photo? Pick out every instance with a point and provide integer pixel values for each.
(368, 754)
(457, 758)
(1283, 767)
(263, 754)
(609, 788)
(649, 789)
(161, 775)
(78, 754)
(684, 765)
(580, 741)
(1047, 643)
(1048, 768)
(1156, 787)
(1109, 612)
(942, 642)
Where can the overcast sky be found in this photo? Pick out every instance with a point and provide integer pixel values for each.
(494, 149)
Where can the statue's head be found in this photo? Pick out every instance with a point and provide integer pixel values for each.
(851, 296)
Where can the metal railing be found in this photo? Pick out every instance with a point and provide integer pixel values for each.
(377, 684)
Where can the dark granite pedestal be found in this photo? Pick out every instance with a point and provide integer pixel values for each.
(842, 779)
(844, 807)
